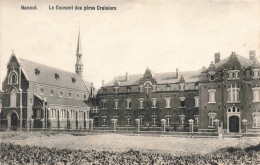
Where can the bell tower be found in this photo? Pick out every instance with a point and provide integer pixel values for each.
(79, 65)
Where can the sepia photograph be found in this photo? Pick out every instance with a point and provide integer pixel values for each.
(155, 82)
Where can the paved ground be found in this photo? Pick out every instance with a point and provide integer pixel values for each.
(117, 142)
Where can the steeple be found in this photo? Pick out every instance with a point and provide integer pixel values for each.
(79, 65)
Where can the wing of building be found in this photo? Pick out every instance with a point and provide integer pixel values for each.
(226, 94)
(149, 97)
(39, 96)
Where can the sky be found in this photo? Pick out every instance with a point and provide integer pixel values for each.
(161, 35)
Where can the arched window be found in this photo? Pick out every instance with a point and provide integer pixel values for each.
(13, 78)
(38, 109)
(13, 95)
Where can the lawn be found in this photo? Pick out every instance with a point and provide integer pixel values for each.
(120, 142)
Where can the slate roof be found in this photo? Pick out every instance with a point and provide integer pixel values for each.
(47, 76)
(244, 62)
(161, 78)
(65, 101)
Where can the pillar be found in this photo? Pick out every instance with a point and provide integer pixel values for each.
(216, 121)
(191, 124)
(163, 121)
(114, 122)
(91, 124)
(244, 125)
(137, 125)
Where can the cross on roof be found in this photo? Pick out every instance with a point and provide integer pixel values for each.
(147, 88)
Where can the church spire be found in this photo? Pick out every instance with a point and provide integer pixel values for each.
(79, 65)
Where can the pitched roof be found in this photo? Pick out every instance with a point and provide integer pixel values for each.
(47, 76)
(244, 62)
(161, 78)
(66, 101)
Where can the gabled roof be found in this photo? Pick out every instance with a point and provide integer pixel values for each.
(244, 62)
(47, 76)
(161, 78)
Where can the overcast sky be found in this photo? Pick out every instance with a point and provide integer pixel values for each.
(162, 35)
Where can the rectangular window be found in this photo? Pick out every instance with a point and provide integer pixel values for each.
(233, 94)
(154, 120)
(256, 120)
(128, 121)
(233, 74)
(182, 120)
(168, 102)
(154, 102)
(128, 103)
(196, 98)
(104, 121)
(212, 97)
(256, 94)
(116, 103)
(196, 121)
(255, 73)
(168, 117)
(182, 102)
(141, 103)
(212, 116)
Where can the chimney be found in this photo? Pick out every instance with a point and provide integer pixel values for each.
(126, 77)
(233, 54)
(252, 55)
(103, 83)
(177, 72)
(217, 57)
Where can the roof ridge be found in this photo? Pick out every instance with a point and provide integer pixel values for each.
(48, 66)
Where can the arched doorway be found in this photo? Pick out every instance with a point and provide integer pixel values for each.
(14, 121)
(233, 124)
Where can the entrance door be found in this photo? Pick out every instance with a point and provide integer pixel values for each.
(233, 124)
(96, 121)
(14, 122)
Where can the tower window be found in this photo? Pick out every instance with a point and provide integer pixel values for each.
(13, 94)
(13, 80)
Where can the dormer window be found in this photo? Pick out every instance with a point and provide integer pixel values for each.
(256, 73)
(141, 88)
(73, 79)
(37, 71)
(56, 76)
(211, 76)
(61, 94)
(154, 88)
(116, 89)
(128, 89)
(233, 74)
(77, 96)
(69, 95)
(85, 97)
(167, 87)
(181, 87)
